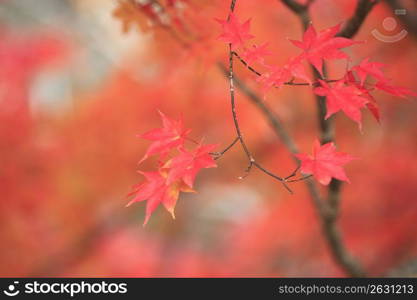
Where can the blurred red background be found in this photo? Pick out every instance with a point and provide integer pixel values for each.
(74, 92)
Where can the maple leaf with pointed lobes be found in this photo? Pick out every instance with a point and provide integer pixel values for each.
(187, 164)
(234, 32)
(156, 191)
(278, 76)
(323, 45)
(340, 96)
(373, 69)
(171, 135)
(372, 105)
(325, 163)
(256, 53)
(398, 91)
(297, 69)
(275, 77)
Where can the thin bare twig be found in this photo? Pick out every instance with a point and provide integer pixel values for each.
(217, 155)
(246, 64)
(251, 160)
(252, 69)
(328, 211)
(273, 119)
(300, 179)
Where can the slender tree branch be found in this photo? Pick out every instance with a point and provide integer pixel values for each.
(232, 97)
(283, 181)
(280, 130)
(293, 173)
(272, 118)
(329, 210)
(251, 160)
(83, 245)
(247, 65)
(300, 10)
(233, 105)
(363, 8)
(326, 126)
(252, 69)
(294, 6)
(230, 74)
(217, 155)
(300, 179)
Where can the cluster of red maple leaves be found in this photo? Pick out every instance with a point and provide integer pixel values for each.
(349, 95)
(176, 173)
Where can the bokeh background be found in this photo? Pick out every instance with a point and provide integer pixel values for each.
(75, 89)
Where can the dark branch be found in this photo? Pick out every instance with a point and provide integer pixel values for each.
(257, 73)
(329, 210)
(217, 155)
(279, 130)
(272, 118)
(295, 6)
(250, 157)
(300, 179)
(300, 10)
(363, 8)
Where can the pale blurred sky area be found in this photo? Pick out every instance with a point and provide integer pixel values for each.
(97, 44)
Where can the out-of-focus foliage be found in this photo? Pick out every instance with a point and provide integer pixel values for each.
(74, 92)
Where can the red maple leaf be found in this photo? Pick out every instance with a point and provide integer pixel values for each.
(372, 105)
(171, 135)
(325, 163)
(256, 53)
(366, 68)
(234, 32)
(323, 45)
(277, 76)
(340, 96)
(398, 91)
(156, 191)
(297, 69)
(187, 164)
